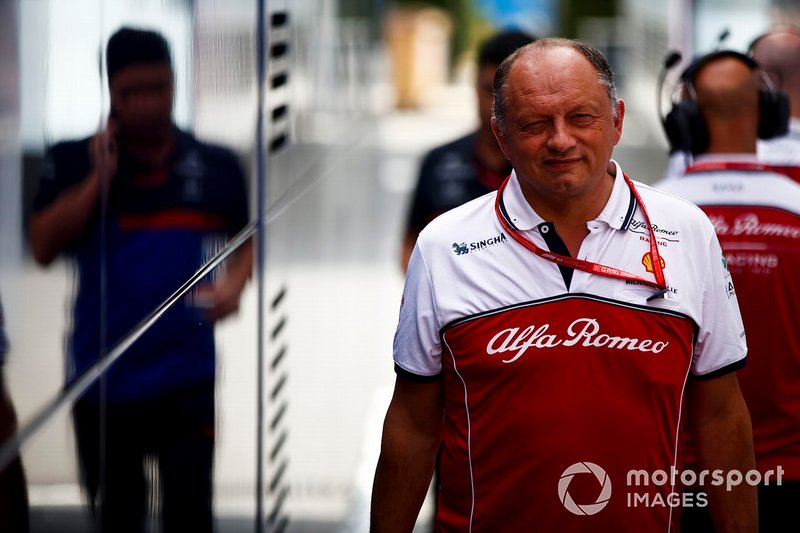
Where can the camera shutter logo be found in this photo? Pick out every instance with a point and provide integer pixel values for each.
(602, 498)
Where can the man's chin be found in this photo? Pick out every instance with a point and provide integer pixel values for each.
(145, 133)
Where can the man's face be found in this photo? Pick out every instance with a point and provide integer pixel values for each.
(485, 82)
(141, 99)
(559, 128)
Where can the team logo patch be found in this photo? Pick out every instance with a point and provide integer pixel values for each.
(647, 261)
(462, 248)
(727, 271)
(730, 289)
(662, 234)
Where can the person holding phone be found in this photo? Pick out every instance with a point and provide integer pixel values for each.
(139, 206)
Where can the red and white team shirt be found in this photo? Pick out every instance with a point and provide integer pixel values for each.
(756, 214)
(539, 375)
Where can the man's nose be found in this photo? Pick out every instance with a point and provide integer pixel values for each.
(561, 138)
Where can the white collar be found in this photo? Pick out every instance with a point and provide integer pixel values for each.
(616, 213)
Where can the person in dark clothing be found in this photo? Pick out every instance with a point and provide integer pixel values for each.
(468, 167)
(139, 207)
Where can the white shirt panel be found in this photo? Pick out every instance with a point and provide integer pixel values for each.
(782, 150)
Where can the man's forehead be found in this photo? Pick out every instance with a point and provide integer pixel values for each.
(551, 61)
(549, 65)
(142, 72)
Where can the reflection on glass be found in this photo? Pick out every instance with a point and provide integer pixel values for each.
(328, 256)
(138, 206)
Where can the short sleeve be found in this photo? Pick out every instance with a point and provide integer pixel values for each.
(417, 348)
(63, 166)
(721, 346)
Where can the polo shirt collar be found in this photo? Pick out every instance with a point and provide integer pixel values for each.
(617, 213)
(621, 205)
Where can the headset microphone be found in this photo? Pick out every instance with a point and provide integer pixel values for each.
(723, 36)
(672, 59)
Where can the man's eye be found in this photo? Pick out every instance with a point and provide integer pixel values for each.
(535, 126)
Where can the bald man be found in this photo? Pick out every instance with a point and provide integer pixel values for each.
(756, 213)
(555, 335)
(778, 53)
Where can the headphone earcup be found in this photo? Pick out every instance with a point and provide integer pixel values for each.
(773, 114)
(686, 128)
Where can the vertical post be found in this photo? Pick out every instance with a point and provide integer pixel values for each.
(260, 256)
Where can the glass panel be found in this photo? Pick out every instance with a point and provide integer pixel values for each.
(333, 216)
(150, 433)
(225, 108)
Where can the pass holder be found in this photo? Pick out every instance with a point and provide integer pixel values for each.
(663, 293)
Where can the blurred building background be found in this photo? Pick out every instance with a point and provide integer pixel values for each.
(355, 91)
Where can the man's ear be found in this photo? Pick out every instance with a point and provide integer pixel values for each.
(618, 121)
(500, 136)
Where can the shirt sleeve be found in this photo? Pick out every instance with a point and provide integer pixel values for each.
(417, 348)
(721, 346)
(64, 165)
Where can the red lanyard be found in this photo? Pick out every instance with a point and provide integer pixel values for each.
(713, 166)
(588, 266)
(790, 171)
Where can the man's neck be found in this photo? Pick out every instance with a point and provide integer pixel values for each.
(570, 214)
(733, 137)
(736, 147)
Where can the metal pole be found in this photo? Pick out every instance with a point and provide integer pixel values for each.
(260, 266)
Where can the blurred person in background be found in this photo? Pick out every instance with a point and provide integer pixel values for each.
(14, 515)
(778, 54)
(593, 316)
(756, 214)
(471, 166)
(13, 490)
(139, 207)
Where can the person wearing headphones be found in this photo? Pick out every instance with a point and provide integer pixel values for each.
(778, 53)
(756, 215)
